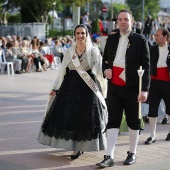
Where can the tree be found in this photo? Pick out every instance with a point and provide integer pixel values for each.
(119, 6)
(151, 8)
(37, 10)
(95, 26)
(116, 8)
(95, 9)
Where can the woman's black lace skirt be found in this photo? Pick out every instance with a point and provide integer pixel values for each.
(76, 111)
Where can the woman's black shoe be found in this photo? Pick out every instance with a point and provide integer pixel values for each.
(77, 155)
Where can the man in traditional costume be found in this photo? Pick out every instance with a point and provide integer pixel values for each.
(160, 81)
(124, 53)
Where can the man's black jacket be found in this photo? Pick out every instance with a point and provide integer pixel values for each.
(137, 54)
(154, 56)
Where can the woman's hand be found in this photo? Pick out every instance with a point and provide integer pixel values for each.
(53, 92)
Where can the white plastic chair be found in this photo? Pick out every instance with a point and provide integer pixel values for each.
(3, 63)
(57, 60)
(33, 67)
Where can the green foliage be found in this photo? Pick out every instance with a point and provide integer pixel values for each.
(76, 2)
(94, 9)
(50, 20)
(59, 33)
(37, 10)
(151, 8)
(119, 6)
(116, 8)
(14, 18)
(95, 26)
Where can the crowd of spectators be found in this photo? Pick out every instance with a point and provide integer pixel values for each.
(25, 52)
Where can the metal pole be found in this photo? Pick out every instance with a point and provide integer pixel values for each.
(54, 4)
(111, 9)
(53, 18)
(143, 12)
(88, 6)
(63, 17)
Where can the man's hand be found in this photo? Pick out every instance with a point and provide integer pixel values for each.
(108, 73)
(142, 97)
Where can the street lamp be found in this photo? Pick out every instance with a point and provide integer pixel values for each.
(54, 4)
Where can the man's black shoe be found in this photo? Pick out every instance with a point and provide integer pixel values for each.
(150, 140)
(164, 121)
(131, 159)
(168, 137)
(107, 162)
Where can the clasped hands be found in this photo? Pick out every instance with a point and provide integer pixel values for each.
(108, 73)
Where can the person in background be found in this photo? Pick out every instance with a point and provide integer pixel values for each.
(105, 25)
(148, 26)
(138, 26)
(57, 50)
(96, 42)
(86, 21)
(4, 43)
(27, 54)
(158, 22)
(19, 55)
(115, 19)
(10, 57)
(38, 58)
(46, 51)
(14, 38)
(151, 40)
(160, 81)
(124, 53)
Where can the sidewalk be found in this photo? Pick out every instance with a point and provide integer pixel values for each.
(23, 100)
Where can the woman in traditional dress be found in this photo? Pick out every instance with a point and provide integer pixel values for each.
(76, 114)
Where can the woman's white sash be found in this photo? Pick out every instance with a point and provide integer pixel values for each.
(88, 80)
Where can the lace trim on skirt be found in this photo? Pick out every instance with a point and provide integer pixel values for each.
(76, 111)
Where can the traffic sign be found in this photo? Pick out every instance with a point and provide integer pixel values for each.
(104, 9)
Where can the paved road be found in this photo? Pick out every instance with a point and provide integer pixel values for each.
(23, 100)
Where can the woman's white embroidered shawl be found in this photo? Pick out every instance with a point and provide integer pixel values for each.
(94, 60)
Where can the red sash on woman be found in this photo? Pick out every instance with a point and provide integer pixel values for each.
(116, 71)
(162, 74)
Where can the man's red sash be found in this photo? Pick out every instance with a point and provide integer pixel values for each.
(162, 74)
(116, 71)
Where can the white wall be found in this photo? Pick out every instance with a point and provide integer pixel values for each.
(103, 41)
(115, 1)
(165, 3)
